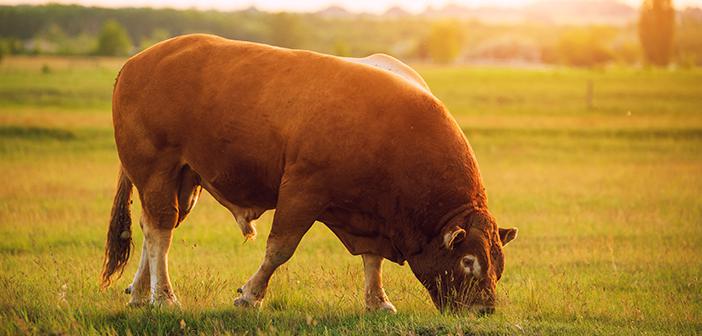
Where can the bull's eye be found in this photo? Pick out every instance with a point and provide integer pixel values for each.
(470, 265)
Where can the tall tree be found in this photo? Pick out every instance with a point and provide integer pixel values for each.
(444, 42)
(656, 30)
(113, 40)
(585, 46)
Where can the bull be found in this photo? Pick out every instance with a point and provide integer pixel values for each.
(360, 145)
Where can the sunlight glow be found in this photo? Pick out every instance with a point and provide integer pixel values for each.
(373, 6)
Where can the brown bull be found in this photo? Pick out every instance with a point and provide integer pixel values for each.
(371, 154)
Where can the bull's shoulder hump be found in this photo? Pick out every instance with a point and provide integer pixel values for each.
(393, 65)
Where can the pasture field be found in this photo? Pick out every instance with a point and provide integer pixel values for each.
(608, 201)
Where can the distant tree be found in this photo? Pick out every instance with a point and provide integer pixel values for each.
(627, 51)
(585, 47)
(54, 34)
(12, 46)
(53, 40)
(549, 53)
(286, 30)
(443, 44)
(81, 44)
(113, 40)
(4, 49)
(656, 30)
(688, 38)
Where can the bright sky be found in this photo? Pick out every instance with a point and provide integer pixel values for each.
(376, 6)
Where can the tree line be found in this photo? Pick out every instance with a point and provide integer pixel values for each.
(661, 35)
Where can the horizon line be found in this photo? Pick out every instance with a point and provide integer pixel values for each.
(252, 5)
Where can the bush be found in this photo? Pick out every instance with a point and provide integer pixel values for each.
(585, 47)
(443, 44)
(113, 40)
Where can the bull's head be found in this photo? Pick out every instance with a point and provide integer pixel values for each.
(462, 265)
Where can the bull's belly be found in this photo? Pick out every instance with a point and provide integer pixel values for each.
(245, 212)
(360, 234)
(237, 186)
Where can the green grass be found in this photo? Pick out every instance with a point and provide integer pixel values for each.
(608, 201)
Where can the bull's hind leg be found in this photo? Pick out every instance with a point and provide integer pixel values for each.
(295, 213)
(159, 241)
(141, 285)
(159, 199)
(376, 300)
(161, 195)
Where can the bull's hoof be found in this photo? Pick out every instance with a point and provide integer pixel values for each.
(385, 307)
(165, 302)
(243, 302)
(138, 303)
(138, 300)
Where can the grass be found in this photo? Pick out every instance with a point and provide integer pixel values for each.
(607, 199)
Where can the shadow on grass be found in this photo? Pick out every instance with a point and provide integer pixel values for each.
(155, 321)
(295, 322)
(240, 321)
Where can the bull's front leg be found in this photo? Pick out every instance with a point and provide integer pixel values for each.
(376, 300)
(294, 216)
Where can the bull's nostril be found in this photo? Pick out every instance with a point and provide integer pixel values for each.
(468, 267)
(469, 264)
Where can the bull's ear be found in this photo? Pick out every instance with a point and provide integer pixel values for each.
(506, 235)
(453, 237)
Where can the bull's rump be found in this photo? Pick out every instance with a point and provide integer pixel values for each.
(242, 114)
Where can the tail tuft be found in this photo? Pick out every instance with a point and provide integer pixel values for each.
(119, 235)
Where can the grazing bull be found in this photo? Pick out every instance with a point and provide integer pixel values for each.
(368, 152)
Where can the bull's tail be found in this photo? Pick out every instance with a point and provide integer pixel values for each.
(119, 234)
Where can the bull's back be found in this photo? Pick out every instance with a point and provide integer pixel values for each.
(240, 113)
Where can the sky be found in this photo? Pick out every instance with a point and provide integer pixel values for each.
(374, 6)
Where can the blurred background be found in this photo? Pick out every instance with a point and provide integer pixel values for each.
(584, 116)
(581, 33)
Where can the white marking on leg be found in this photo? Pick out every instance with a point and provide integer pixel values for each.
(158, 243)
(140, 286)
(374, 293)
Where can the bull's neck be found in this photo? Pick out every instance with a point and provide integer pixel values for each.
(456, 209)
(427, 230)
(424, 256)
